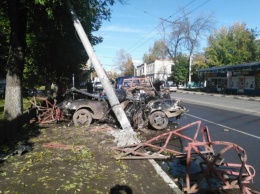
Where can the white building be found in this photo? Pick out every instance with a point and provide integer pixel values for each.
(160, 69)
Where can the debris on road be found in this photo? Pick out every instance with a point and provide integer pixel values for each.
(199, 167)
(62, 146)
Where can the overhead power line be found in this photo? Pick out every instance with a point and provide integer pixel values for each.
(135, 48)
(157, 25)
(167, 20)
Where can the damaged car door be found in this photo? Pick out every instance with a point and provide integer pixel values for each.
(83, 107)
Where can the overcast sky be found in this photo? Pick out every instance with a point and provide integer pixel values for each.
(134, 27)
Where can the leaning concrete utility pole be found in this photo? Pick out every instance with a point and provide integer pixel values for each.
(129, 136)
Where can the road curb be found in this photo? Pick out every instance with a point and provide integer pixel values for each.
(165, 177)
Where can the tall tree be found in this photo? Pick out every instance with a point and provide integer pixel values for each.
(17, 12)
(185, 34)
(232, 45)
(158, 51)
(125, 63)
(195, 30)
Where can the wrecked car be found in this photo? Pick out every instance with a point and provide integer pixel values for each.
(146, 110)
(141, 108)
(83, 107)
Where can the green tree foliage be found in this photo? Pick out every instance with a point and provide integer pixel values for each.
(5, 31)
(55, 49)
(158, 51)
(180, 70)
(232, 45)
(42, 41)
(198, 62)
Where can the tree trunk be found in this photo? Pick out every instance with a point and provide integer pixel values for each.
(15, 64)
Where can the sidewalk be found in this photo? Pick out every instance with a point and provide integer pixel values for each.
(65, 159)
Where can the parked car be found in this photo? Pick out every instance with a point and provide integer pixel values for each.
(34, 92)
(173, 88)
(98, 87)
(31, 92)
(169, 86)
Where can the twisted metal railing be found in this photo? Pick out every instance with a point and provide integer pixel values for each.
(212, 172)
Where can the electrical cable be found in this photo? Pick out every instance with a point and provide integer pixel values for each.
(167, 20)
(131, 51)
(159, 24)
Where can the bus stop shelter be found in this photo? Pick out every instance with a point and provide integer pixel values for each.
(233, 79)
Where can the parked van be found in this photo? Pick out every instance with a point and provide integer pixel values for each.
(120, 80)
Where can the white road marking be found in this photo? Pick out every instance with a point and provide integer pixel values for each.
(226, 127)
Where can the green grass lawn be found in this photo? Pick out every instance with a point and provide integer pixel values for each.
(26, 105)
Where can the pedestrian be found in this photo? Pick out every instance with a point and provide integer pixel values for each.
(90, 87)
(157, 85)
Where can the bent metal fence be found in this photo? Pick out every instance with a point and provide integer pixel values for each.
(46, 110)
(203, 168)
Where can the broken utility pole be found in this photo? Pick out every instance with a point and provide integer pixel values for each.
(127, 136)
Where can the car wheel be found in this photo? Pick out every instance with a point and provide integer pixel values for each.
(158, 120)
(82, 117)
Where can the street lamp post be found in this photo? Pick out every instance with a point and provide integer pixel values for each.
(190, 63)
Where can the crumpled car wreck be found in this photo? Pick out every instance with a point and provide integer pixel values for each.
(141, 108)
(83, 107)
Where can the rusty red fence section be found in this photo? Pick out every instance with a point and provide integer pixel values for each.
(214, 172)
(46, 111)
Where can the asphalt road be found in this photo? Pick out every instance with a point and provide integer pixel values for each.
(228, 119)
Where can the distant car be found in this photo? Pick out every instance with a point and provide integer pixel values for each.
(31, 92)
(173, 88)
(98, 87)
(34, 92)
(169, 86)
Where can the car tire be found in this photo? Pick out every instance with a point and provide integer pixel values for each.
(158, 120)
(82, 117)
